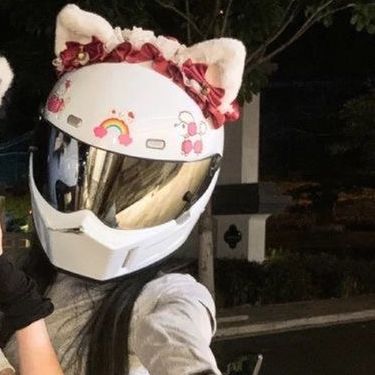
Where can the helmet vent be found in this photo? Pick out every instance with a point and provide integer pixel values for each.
(128, 257)
(158, 144)
(74, 121)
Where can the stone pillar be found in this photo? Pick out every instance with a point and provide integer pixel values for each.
(2, 212)
(206, 251)
(2, 220)
(256, 247)
(250, 142)
(241, 166)
(241, 149)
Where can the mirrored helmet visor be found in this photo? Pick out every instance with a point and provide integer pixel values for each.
(123, 192)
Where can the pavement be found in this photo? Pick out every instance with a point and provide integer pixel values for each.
(246, 321)
(345, 349)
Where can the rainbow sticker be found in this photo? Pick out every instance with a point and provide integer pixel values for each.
(116, 123)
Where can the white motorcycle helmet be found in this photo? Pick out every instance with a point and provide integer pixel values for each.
(126, 159)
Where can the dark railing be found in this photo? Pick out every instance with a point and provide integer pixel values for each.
(13, 168)
(16, 241)
(14, 161)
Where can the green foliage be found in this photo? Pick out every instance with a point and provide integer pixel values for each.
(355, 143)
(364, 17)
(267, 27)
(290, 277)
(285, 280)
(19, 206)
(359, 115)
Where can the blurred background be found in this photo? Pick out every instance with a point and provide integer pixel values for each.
(294, 213)
(293, 216)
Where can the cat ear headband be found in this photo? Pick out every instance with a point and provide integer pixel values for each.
(210, 71)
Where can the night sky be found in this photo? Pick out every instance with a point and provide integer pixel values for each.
(316, 76)
(328, 53)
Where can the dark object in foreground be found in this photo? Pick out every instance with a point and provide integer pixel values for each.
(20, 301)
(335, 350)
(245, 365)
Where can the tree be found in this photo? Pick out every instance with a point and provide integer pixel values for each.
(347, 159)
(354, 145)
(267, 27)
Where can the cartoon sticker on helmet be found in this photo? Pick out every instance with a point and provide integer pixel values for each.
(56, 102)
(120, 124)
(191, 132)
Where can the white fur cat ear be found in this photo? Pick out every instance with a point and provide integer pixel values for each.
(6, 77)
(76, 25)
(225, 58)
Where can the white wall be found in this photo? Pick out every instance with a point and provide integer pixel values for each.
(240, 165)
(241, 147)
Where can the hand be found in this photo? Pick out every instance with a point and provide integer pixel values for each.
(20, 300)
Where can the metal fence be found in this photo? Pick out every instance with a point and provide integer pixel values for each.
(16, 241)
(14, 161)
(13, 168)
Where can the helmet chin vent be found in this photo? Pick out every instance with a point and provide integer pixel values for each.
(128, 257)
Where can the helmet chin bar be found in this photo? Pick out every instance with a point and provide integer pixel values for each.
(80, 243)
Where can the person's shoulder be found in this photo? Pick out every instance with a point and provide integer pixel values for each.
(170, 288)
(173, 285)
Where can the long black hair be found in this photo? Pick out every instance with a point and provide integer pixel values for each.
(105, 335)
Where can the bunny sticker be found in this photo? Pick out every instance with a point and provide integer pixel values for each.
(191, 133)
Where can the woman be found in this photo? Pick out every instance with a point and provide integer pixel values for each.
(126, 158)
(21, 305)
(23, 309)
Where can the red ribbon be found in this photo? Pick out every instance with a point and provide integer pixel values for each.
(208, 97)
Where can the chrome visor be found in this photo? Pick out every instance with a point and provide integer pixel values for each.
(123, 192)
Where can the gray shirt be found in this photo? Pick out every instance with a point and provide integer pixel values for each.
(171, 327)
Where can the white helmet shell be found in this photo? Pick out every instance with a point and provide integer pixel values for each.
(128, 108)
(132, 110)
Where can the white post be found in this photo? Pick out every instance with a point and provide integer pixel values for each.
(2, 214)
(256, 247)
(206, 251)
(250, 141)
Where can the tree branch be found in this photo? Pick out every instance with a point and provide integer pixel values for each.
(273, 37)
(352, 5)
(182, 15)
(116, 8)
(188, 26)
(225, 21)
(296, 36)
(306, 26)
(288, 8)
(211, 26)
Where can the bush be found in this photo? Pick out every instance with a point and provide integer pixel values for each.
(286, 279)
(239, 281)
(289, 277)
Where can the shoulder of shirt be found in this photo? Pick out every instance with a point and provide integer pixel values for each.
(173, 287)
